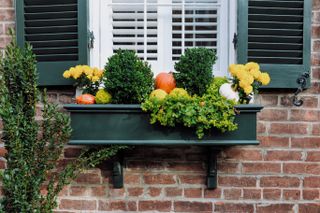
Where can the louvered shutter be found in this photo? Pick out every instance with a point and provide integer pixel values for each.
(57, 30)
(276, 34)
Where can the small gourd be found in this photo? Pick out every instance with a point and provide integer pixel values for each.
(85, 99)
(227, 92)
(165, 81)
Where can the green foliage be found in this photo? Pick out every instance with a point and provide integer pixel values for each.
(127, 78)
(33, 147)
(194, 70)
(202, 113)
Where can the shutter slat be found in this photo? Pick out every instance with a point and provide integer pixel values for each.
(51, 22)
(53, 36)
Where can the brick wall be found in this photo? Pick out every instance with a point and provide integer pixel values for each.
(280, 175)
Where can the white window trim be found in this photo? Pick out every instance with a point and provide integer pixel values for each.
(100, 12)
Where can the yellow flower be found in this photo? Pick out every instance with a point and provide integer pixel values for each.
(249, 78)
(89, 77)
(264, 78)
(248, 90)
(243, 84)
(233, 69)
(95, 78)
(255, 73)
(87, 70)
(77, 73)
(241, 74)
(252, 66)
(240, 67)
(67, 74)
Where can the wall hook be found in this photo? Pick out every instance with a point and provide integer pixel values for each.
(302, 82)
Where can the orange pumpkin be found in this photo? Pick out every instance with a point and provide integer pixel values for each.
(165, 81)
(85, 99)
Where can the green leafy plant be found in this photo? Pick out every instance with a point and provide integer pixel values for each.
(194, 70)
(199, 112)
(33, 147)
(127, 78)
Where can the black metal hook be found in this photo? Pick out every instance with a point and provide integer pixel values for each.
(302, 81)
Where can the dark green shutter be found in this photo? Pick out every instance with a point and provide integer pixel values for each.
(58, 32)
(276, 34)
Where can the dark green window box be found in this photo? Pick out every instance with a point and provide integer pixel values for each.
(128, 124)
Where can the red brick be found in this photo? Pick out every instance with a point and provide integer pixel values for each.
(230, 207)
(236, 181)
(302, 168)
(154, 192)
(273, 115)
(187, 166)
(316, 73)
(315, 32)
(315, 59)
(275, 208)
(261, 128)
(289, 194)
(173, 192)
(269, 100)
(193, 193)
(316, 5)
(316, 17)
(186, 206)
(316, 46)
(227, 167)
(78, 191)
(132, 179)
(98, 191)
(311, 194)
(192, 179)
(6, 14)
(159, 179)
(209, 193)
(309, 208)
(261, 168)
(306, 142)
(118, 193)
(283, 155)
(310, 101)
(315, 87)
(155, 205)
(6, 3)
(271, 194)
(313, 156)
(271, 141)
(78, 204)
(272, 181)
(252, 194)
(292, 128)
(311, 182)
(118, 205)
(89, 178)
(3, 151)
(315, 129)
(304, 115)
(243, 154)
(72, 152)
(232, 194)
(135, 192)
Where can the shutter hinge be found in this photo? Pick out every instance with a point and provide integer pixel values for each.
(302, 81)
(91, 39)
(235, 40)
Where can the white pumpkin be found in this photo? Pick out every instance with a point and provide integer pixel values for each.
(227, 92)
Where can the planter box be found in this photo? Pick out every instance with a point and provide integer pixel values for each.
(128, 124)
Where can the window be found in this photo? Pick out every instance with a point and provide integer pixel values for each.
(170, 28)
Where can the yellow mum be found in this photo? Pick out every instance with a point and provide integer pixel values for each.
(233, 69)
(255, 73)
(248, 90)
(243, 84)
(241, 74)
(77, 72)
(264, 78)
(252, 66)
(67, 74)
(95, 79)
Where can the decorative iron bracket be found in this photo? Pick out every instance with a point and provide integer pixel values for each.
(117, 175)
(212, 175)
(302, 81)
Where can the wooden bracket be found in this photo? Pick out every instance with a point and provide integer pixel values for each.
(117, 174)
(212, 175)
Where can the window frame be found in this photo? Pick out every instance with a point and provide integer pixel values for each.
(99, 53)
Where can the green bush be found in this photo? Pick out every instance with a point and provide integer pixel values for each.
(33, 147)
(127, 78)
(194, 70)
(199, 112)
